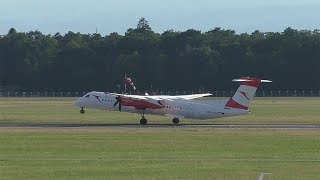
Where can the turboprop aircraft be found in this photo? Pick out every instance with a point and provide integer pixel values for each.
(182, 106)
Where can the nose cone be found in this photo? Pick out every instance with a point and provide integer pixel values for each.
(78, 102)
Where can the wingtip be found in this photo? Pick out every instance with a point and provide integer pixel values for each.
(266, 81)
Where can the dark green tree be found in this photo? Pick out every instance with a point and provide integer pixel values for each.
(187, 60)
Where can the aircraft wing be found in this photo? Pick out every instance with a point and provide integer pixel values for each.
(181, 97)
(192, 96)
(138, 102)
(151, 102)
(137, 97)
(158, 98)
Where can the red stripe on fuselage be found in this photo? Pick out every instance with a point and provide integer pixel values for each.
(232, 104)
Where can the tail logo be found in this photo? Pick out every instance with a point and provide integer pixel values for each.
(245, 95)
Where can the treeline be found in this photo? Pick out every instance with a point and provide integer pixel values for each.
(189, 60)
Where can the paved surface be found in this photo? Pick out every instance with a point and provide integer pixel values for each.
(217, 126)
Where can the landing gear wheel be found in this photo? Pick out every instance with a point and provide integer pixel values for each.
(82, 111)
(143, 121)
(175, 121)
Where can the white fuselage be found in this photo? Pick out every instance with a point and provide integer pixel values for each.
(177, 108)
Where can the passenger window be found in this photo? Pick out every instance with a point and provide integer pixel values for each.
(87, 96)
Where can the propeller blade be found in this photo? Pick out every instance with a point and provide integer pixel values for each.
(118, 102)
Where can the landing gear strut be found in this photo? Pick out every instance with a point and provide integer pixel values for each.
(175, 121)
(82, 111)
(143, 120)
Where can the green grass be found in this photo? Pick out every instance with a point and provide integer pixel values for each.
(161, 153)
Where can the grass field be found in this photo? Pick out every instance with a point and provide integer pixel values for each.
(157, 153)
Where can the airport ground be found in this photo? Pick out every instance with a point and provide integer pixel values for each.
(47, 138)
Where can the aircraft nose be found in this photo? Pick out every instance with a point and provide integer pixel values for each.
(78, 102)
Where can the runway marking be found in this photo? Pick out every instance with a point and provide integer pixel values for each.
(262, 175)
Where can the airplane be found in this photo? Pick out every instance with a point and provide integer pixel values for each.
(176, 107)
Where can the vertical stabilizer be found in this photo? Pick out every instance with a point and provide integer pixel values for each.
(243, 96)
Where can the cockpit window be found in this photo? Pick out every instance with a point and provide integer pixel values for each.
(87, 96)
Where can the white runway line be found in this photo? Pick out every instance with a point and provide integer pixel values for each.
(262, 175)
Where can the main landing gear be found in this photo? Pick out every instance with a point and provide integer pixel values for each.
(175, 121)
(82, 111)
(143, 120)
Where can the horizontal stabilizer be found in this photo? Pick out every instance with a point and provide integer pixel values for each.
(266, 81)
(250, 79)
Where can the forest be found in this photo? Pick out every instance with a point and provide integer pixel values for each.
(172, 60)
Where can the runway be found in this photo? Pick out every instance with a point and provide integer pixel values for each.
(213, 126)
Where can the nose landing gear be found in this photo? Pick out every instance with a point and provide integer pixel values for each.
(82, 111)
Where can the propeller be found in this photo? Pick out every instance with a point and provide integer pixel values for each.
(118, 98)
